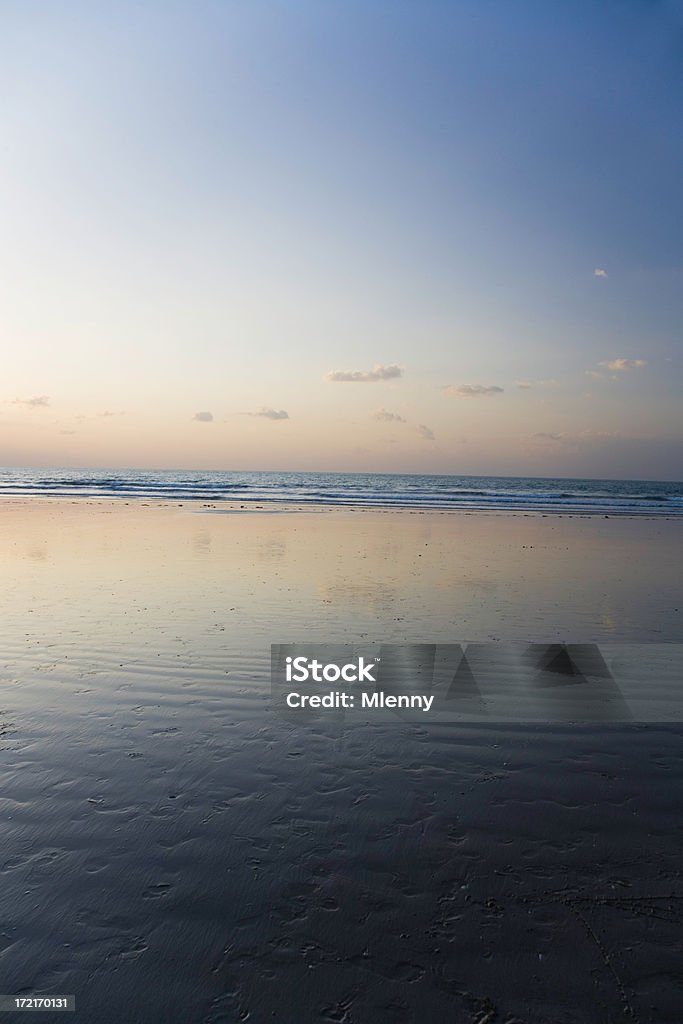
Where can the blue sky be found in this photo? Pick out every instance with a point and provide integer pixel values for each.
(209, 207)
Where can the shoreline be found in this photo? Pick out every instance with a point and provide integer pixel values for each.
(234, 507)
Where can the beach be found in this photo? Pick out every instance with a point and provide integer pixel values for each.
(341, 513)
(173, 850)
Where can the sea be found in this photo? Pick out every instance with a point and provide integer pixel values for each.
(366, 490)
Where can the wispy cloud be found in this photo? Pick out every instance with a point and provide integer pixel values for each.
(547, 382)
(620, 365)
(599, 272)
(595, 374)
(582, 438)
(40, 401)
(388, 417)
(377, 373)
(471, 390)
(203, 417)
(271, 414)
(101, 415)
(426, 433)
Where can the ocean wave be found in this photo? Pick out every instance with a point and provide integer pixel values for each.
(362, 489)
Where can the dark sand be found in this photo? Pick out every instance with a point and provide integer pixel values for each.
(173, 851)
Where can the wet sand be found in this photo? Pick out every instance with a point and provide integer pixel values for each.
(172, 850)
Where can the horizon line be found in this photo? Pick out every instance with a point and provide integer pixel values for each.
(331, 472)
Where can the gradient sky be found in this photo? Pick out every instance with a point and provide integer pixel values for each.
(473, 209)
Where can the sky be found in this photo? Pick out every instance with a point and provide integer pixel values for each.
(351, 235)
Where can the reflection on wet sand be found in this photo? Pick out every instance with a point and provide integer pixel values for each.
(172, 850)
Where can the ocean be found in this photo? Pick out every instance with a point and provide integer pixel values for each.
(367, 490)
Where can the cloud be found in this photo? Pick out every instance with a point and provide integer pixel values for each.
(67, 431)
(426, 433)
(102, 415)
(40, 401)
(388, 417)
(548, 382)
(583, 438)
(203, 417)
(599, 272)
(271, 414)
(623, 364)
(378, 372)
(471, 390)
(595, 374)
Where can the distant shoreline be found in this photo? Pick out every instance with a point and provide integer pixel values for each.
(380, 492)
(298, 507)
